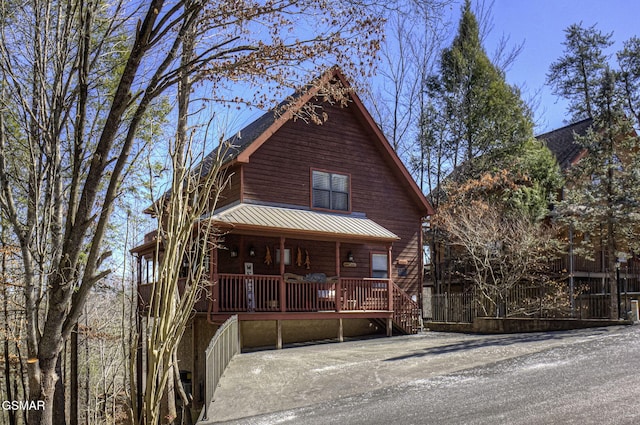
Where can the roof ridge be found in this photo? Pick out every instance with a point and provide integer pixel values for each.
(574, 124)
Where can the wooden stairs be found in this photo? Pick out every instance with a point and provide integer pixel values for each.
(407, 318)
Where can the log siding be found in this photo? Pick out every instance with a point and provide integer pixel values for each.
(280, 172)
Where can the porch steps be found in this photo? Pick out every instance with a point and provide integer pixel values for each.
(406, 313)
(398, 329)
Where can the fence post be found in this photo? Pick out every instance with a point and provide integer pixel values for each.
(446, 306)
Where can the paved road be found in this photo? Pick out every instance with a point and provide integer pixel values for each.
(576, 377)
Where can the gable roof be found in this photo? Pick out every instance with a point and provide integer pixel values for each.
(254, 135)
(561, 142)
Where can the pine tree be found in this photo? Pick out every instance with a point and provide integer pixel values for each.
(603, 190)
(496, 163)
(577, 75)
(481, 110)
(486, 126)
(602, 194)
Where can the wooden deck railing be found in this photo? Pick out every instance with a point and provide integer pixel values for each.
(145, 292)
(599, 264)
(406, 312)
(365, 294)
(311, 296)
(262, 293)
(240, 293)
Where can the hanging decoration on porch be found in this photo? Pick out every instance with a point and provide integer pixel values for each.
(267, 257)
(299, 258)
(307, 260)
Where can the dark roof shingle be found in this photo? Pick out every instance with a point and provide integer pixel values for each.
(561, 142)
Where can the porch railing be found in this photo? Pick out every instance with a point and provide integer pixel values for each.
(223, 346)
(270, 293)
(365, 294)
(406, 312)
(239, 292)
(145, 292)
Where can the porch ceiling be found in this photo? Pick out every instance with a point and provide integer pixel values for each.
(304, 223)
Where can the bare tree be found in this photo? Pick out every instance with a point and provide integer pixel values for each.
(80, 79)
(415, 31)
(185, 241)
(500, 251)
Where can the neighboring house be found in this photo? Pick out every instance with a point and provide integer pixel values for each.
(322, 235)
(588, 275)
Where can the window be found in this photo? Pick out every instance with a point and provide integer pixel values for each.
(287, 256)
(379, 266)
(330, 191)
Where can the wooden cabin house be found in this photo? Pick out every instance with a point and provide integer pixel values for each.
(322, 234)
(588, 274)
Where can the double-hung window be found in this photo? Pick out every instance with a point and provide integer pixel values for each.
(379, 266)
(330, 191)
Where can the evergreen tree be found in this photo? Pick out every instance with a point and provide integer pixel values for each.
(629, 78)
(577, 75)
(496, 164)
(602, 194)
(486, 128)
(481, 110)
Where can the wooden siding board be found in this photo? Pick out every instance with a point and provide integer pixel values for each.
(278, 172)
(321, 254)
(231, 192)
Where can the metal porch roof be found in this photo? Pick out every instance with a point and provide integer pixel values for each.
(302, 222)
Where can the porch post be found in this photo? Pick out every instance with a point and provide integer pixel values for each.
(338, 258)
(338, 289)
(283, 298)
(215, 284)
(279, 335)
(139, 266)
(242, 254)
(390, 282)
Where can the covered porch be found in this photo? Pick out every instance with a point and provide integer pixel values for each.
(274, 263)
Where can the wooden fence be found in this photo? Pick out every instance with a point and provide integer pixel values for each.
(223, 346)
(521, 302)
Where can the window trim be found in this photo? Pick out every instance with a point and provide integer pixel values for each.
(330, 172)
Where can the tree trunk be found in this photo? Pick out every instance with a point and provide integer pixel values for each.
(59, 402)
(7, 364)
(73, 410)
(613, 281)
(43, 392)
(168, 410)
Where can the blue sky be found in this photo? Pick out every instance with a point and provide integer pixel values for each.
(540, 25)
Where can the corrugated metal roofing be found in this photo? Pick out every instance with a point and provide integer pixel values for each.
(303, 221)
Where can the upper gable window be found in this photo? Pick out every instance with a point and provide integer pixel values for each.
(330, 191)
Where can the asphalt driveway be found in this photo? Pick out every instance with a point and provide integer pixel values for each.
(273, 381)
